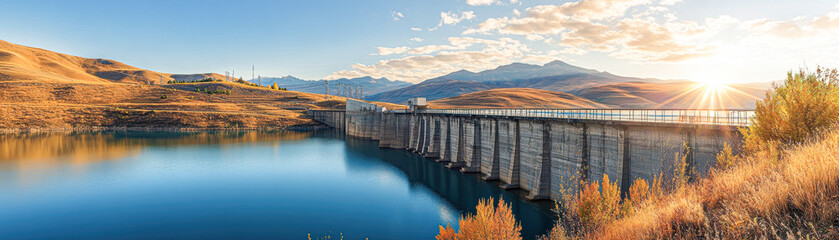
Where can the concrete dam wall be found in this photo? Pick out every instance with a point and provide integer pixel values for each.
(544, 156)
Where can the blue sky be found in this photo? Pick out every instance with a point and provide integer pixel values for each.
(708, 40)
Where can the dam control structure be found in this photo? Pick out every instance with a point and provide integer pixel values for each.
(548, 151)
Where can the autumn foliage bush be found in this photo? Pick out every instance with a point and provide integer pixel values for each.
(794, 111)
(490, 222)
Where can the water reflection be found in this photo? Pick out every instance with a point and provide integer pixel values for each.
(226, 185)
(462, 191)
(38, 150)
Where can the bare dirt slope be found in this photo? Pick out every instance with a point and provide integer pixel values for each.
(40, 89)
(515, 98)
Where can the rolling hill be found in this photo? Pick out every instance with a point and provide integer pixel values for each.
(675, 94)
(43, 90)
(515, 98)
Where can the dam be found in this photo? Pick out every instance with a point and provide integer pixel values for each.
(547, 152)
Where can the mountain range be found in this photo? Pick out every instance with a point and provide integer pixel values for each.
(554, 76)
(371, 85)
(601, 87)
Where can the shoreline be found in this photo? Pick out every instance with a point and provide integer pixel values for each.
(157, 129)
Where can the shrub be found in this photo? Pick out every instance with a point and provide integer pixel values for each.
(639, 191)
(488, 223)
(681, 173)
(597, 205)
(725, 158)
(793, 112)
(163, 96)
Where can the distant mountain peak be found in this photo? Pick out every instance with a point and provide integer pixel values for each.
(516, 65)
(557, 62)
(462, 71)
(518, 71)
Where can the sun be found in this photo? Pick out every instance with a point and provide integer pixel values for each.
(715, 85)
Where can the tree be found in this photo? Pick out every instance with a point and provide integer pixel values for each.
(275, 87)
(806, 103)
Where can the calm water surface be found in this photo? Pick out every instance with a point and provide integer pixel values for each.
(250, 185)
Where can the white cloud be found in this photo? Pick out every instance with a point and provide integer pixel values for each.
(449, 18)
(535, 38)
(650, 34)
(453, 18)
(645, 34)
(491, 2)
(416, 29)
(384, 51)
(474, 54)
(480, 2)
(796, 28)
(416, 39)
(397, 15)
(669, 2)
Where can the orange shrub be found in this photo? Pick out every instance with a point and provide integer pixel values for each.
(597, 205)
(488, 223)
(639, 191)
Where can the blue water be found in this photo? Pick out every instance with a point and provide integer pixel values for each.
(251, 185)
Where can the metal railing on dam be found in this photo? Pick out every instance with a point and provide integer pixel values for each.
(727, 117)
(543, 150)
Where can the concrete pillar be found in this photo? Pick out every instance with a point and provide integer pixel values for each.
(422, 134)
(567, 149)
(403, 130)
(383, 129)
(535, 158)
(471, 153)
(456, 145)
(508, 152)
(444, 135)
(626, 161)
(428, 134)
(446, 149)
(413, 135)
(489, 148)
(584, 168)
(434, 145)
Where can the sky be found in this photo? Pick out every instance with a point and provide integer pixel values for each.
(712, 41)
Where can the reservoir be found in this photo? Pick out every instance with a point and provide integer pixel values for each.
(239, 185)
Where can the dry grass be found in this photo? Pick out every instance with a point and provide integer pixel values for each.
(796, 196)
(40, 89)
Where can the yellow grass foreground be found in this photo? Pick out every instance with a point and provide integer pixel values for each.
(796, 196)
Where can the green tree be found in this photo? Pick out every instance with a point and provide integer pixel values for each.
(804, 104)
